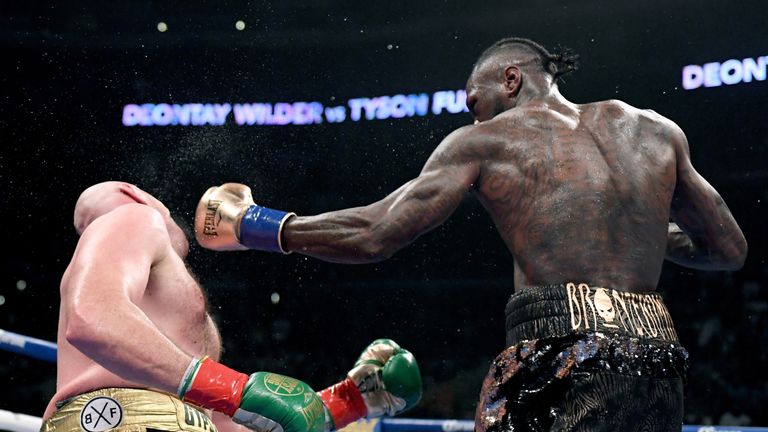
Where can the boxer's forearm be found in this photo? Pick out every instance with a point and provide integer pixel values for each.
(684, 250)
(127, 345)
(227, 218)
(345, 236)
(375, 232)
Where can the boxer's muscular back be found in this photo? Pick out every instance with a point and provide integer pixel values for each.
(581, 193)
(142, 307)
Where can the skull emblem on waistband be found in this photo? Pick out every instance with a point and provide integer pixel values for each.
(604, 305)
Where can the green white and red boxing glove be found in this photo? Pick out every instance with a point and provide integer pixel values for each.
(226, 218)
(384, 381)
(262, 402)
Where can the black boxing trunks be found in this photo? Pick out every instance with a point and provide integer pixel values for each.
(127, 410)
(585, 358)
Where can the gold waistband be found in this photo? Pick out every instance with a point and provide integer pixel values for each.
(127, 409)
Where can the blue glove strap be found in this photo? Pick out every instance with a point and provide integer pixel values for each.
(262, 227)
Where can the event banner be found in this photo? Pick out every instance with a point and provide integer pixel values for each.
(295, 113)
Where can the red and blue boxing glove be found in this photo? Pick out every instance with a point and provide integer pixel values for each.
(226, 218)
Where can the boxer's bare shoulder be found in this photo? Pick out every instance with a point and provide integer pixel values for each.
(132, 232)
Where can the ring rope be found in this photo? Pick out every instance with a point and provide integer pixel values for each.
(44, 350)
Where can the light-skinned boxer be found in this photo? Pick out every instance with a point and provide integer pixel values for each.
(138, 349)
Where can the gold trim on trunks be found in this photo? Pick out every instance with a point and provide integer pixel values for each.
(127, 410)
(609, 310)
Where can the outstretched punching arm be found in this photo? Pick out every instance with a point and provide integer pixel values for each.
(356, 235)
(376, 231)
(703, 235)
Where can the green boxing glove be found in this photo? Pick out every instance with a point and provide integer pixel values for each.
(384, 381)
(273, 402)
(264, 402)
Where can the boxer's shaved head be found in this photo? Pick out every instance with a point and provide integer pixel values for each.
(102, 198)
(98, 200)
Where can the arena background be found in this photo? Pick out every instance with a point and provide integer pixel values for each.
(68, 69)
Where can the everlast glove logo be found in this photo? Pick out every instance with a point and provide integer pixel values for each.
(600, 309)
(212, 218)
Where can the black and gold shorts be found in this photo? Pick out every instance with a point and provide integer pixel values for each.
(584, 358)
(127, 410)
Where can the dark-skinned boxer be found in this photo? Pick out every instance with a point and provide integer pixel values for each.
(583, 196)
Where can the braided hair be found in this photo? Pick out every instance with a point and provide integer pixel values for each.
(555, 64)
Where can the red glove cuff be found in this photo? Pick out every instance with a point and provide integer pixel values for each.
(345, 403)
(217, 387)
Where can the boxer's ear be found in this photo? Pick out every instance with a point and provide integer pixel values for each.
(134, 193)
(513, 80)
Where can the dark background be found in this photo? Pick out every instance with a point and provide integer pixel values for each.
(68, 68)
